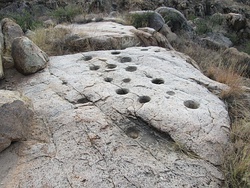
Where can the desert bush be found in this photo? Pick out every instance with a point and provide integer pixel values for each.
(25, 20)
(236, 165)
(66, 14)
(191, 17)
(237, 161)
(233, 37)
(216, 19)
(202, 26)
(81, 19)
(228, 76)
(50, 40)
(212, 23)
(139, 19)
(247, 47)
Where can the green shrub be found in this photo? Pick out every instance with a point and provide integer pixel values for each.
(25, 20)
(247, 47)
(139, 19)
(66, 14)
(234, 38)
(237, 161)
(216, 19)
(202, 27)
(191, 17)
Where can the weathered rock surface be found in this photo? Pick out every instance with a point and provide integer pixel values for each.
(216, 41)
(166, 31)
(28, 57)
(99, 36)
(10, 31)
(237, 21)
(150, 37)
(16, 117)
(114, 119)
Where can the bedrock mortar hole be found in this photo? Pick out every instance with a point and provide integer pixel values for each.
(122, 91)
(87, 58)
(191, 104)
(158, 81)
(126, 59)
(126, 80)
(94, 67)
(82, 101)
(108, 79)
(144, 99)
(132, 132)
(64, 83)
(144, 49)
(115, 52)
(131, 68)
(111, 66)
(170, 93)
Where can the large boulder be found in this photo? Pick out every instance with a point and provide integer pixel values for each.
(143, 116)
(11, 30)
(16, 116)
(147, 19)
(98, 36)
(150, 37)
(166, 31)
(216, 41)
(28, 57)
(174, 18)
(236, 21)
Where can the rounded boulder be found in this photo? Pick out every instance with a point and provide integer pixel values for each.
(28, 57)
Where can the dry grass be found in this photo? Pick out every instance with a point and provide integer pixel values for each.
(237, 162)
(203, 56)
(229, 77)
(236, 166)
(50, 40)
(210, 62)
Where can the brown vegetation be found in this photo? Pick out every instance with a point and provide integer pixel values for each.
(50, 40)
(236, 166)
